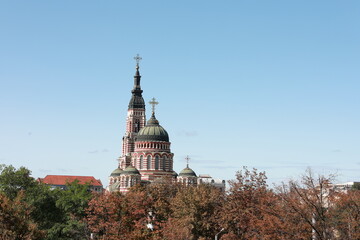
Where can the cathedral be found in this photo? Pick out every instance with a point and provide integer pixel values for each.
(146, 153)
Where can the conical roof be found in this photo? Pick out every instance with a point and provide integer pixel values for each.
(137, 100)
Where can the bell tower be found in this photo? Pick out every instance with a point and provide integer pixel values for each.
(135, 119)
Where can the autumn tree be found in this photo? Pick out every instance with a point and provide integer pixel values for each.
(312, 200)
(118, 216)
(15, 220)
(104, 215)
(162, 193)
(242, 213)
(194, 211)
(347, 215)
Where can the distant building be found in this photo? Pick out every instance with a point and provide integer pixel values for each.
(60, 181)
(344, 187)
(187, 176)
(146, 154)
(207, 179)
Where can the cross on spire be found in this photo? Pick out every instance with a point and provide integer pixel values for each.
(187, 161)
(153, 102)
(137, 59)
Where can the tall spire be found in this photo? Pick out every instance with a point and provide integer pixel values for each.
(137, 100)
(137, 77)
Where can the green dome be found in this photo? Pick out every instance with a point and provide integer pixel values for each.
(187, 172)
(130, 170)
(152, 131)
(116, 172)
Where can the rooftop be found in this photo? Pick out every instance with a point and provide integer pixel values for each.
(65, 179)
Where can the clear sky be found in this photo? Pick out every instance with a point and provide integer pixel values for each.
(268, 84)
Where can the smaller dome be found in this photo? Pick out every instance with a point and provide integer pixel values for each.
(187, 172)
(130, 170)
(116, 172)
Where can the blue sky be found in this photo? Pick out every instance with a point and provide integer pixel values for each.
(266, 84)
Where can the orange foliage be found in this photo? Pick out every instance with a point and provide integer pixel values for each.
(248, 211)
(15, 220)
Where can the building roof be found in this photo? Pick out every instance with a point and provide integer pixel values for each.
(187, 172)
(64, 179)
(116, 172)
(153, 131)
(130, 170)
(204, 176)
(137, 100)
(213, 181)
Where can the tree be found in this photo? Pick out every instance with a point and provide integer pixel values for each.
(74, 199)
(194, 211)
(104, 215)
(58, 213)
(241, 211)
(15, 220)
(14, 180)
(312, 201)
(251, 210)
(356, 186)
(118, 216)
(347, 215)
(44, 210)
(71, 205)
(162, 194)
(42, 200)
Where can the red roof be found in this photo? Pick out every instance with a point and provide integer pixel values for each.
(64, 179)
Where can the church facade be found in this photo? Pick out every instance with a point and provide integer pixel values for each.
(146, 147)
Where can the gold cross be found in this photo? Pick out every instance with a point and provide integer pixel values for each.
(137, 59)
(153, 102)
(187, 160)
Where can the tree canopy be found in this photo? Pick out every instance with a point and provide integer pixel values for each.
(310, 208)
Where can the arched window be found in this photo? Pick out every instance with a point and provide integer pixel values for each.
(157, 162)
(137, 126)
(141, 162)
(164, 163)
(148, 162)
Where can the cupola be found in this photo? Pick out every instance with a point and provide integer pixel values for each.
(153, 131)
